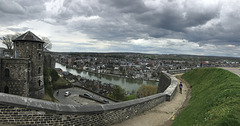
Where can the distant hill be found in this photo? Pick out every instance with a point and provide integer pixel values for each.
(215, 99)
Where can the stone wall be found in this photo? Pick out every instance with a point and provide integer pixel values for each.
(172, 87)
(19, 110)
(27, 111)
(167, 85)
(17, 79)
(164, 82)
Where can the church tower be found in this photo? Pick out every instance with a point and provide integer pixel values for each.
(30, 46)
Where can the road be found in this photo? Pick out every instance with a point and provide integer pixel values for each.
(75, 99)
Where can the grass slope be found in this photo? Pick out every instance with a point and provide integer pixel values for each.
(215, 99)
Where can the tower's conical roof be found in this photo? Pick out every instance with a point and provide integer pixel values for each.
(28, 36)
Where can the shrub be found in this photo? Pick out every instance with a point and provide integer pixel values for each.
(146, 90)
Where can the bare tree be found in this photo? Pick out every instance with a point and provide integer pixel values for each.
(48, 44)
(7, 40)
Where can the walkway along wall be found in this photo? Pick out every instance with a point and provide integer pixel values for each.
(19, 110)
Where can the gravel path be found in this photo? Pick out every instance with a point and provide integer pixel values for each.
(161, 114)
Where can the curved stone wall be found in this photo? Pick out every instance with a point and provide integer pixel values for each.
(167, 85)
(172, 87)
(19, 110)
(164, 82)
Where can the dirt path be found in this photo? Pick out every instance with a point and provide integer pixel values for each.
(160, 115)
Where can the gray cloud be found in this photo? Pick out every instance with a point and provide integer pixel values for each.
(178, 16)
(120, 21)
(15, 12)
(11, 7)
(124, 19)
(23, 29)
(126, 6)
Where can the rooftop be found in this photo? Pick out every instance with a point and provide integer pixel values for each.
(28, 36)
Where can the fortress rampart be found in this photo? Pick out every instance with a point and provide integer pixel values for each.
(19, 110)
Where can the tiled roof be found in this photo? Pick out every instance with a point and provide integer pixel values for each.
(28, 36)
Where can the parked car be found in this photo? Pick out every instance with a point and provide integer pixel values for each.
(88, 95)
(106, 101)
(67, 93)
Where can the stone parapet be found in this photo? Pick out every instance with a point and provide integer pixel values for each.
(167, 85)
(172, 88)
(28, 111)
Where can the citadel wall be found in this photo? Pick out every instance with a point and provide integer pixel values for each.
(19, 110)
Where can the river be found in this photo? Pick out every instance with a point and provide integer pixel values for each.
(126, 83)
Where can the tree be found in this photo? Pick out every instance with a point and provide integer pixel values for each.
(7, 40)
(117, 93)
(54, 75)
(48, 44)
(146, 90)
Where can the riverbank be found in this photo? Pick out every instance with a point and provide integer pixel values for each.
(127, 84)
(114, 75)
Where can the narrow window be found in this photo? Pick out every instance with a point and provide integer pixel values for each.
(39, 82)
(39, 56)
(39, 70)
(29, 65)
(6, 89)
(7, 73)
(39, 46)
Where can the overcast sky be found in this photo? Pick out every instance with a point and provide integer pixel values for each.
(196, 27)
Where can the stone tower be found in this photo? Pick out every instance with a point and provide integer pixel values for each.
(30, 46)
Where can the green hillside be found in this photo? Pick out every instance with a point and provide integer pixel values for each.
(215, 99)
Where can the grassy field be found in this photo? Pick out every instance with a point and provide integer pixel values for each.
(215, 99)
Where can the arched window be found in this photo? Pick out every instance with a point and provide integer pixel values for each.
(39, 70)
(7, 73)
(39, 82)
